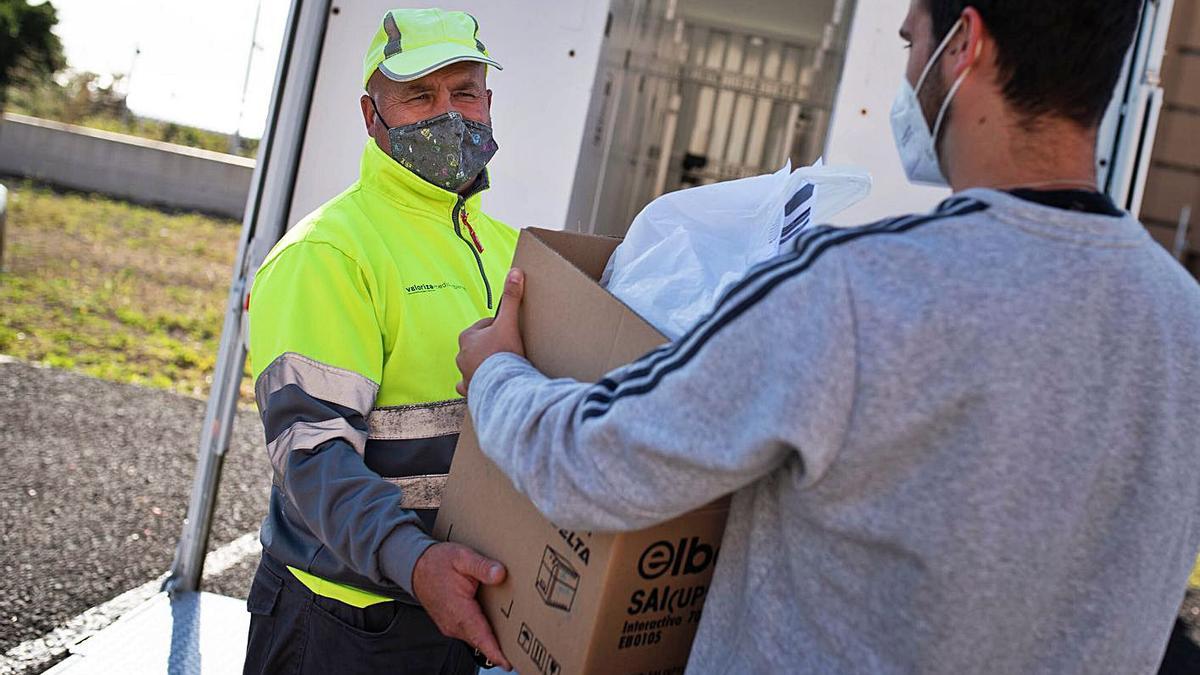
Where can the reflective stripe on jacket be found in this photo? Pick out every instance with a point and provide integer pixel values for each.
(354, 323)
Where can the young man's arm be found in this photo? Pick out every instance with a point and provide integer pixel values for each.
(767, 381)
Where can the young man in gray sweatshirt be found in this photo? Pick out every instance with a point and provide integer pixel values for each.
(966, 441)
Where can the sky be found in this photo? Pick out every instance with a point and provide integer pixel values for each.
(193, 55)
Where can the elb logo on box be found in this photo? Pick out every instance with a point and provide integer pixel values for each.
(687, 556)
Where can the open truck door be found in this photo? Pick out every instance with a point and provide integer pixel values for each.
(612, 105)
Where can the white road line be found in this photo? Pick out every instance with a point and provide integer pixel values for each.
(33, 653)
(231, 554)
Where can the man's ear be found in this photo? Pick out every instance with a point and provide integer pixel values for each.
(368, 113)
(968, 47)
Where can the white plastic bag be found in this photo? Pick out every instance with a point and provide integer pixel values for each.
(685, 248)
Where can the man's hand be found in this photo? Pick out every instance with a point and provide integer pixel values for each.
(493, 336)
(444, 581)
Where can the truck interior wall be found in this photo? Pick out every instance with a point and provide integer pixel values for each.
(617, 102)
(1173, 185)
(695, 91)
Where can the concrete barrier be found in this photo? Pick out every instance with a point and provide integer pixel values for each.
(137, 169)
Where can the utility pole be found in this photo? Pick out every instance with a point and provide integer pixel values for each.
(127, 113)
(137, 52)
(235, 144)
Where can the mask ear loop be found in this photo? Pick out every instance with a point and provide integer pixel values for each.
(937, 126)
(937, 53)
(378, 117)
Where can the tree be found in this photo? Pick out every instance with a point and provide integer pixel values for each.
(29, 51)
(74, 97)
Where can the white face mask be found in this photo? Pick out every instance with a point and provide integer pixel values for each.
(916, 144)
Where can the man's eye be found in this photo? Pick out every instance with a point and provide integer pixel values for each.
(908, 45)
(466, 94)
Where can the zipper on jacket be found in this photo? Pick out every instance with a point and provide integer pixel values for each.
(476, 248)
(474, 237)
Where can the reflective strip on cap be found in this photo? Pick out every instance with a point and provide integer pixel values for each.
(394, 37)
(411, 422)
(328, 383)
(308, 435)
(421, 492)
(478, 44)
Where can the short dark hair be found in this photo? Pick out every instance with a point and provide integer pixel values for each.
(1059, 58)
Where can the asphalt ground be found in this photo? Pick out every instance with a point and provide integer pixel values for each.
(94, 487)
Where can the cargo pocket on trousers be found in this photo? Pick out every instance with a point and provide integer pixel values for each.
(264, 604)
(264, 592)
(372, 622)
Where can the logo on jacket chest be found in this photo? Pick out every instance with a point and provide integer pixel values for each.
(416, 289)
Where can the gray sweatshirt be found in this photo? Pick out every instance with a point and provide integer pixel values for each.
(964, 442)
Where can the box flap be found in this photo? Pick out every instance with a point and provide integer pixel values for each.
(589, 332)
(589, 253)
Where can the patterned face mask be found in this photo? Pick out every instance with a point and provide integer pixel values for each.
(448, 150)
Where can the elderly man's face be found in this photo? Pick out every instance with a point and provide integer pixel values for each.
(459, 86)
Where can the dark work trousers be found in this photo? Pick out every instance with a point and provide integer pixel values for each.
(294, 631)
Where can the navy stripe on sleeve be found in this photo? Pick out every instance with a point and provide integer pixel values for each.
(758, 283)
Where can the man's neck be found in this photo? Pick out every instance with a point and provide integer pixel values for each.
(1054, 154)
(472, 187)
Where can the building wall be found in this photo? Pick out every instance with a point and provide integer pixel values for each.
(1174, 179)
(136, 169)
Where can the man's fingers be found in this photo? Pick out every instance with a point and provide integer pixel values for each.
(461, 388)
(477, 633)
(485, 570)
(514, 290)
(478, 325)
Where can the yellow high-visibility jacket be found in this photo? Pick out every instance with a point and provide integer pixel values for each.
(354, 323)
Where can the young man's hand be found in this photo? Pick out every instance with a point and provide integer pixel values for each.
(444, 581)
(493, 336)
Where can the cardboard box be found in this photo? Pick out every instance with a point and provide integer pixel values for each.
(1185, 25)
(1178, 140)
(1168, 190)
(579, 602)
(1181, 78)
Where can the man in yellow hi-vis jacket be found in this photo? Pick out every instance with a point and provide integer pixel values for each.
(354, 320)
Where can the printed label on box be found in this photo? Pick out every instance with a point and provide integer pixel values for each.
(665, 564)
(537, 651)
(557, 581)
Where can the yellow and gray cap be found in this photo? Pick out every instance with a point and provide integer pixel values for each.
(411, 43)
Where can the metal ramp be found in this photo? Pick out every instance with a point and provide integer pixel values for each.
(192, 633)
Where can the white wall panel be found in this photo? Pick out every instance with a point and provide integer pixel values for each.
(541, 99)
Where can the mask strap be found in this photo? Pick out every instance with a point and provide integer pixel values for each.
(937, 126)
(377, 115)
(937, 53)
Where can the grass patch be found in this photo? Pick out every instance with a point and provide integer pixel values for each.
(1194, 582)
(115, 290)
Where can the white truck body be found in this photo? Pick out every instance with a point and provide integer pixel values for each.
(598, 107)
